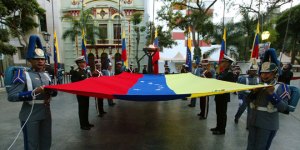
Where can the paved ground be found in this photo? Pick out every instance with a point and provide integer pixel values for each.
(169, 125)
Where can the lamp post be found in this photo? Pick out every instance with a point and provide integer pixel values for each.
(150, 52)
(46, 37)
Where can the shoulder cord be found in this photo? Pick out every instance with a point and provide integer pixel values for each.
(33, 94)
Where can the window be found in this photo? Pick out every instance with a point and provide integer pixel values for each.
(117, 33)
(22, 53)
(43, 23)
(103, 31)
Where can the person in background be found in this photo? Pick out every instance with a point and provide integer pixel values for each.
(287, 74)
(80, 74)
(119, 68)
(167, 69)
(130, 69)
(198, 71)
(223, 99)
(251, 79)
(37, 130)
(99, 101)
(109, 72)
(183, 69)
(204, 101)
(145, 69)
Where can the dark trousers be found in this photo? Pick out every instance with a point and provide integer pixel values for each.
(221, 111)
(204, 103)
(99, 105)
(83, 107)
(110, 102)
(259, 138)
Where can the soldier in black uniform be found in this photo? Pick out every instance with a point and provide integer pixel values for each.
(145, 69)
(80, 74)
(119, 68)
(222, 99)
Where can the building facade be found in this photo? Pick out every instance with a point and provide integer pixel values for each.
(111, 17)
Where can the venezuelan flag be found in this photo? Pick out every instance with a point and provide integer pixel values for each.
(83, 47)
(56, 56)
(149, 87)
(188, 59)
(255, 48)
(223, 46)
(124, 52)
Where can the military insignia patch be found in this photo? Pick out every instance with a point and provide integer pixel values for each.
(39, 52)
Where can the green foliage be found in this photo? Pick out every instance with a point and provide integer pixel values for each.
(293, 32)
(164, 37)
(17, 16)
(199, 19)
(136, 18)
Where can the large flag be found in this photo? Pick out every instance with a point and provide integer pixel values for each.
(188, 60)
(255, 48)
(145, 87)
(155, 58)
(124, 52)
(83, 48)
(56, 54)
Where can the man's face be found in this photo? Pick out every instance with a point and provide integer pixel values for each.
(38, 63)
(267, 76)
(285, 67)
(225, 64)
(98, 67)
(109, 67)
(204, 66)
(252, 72)
(81, 65)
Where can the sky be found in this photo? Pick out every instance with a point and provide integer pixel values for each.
(218, 13)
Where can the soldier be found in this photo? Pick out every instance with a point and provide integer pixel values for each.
(145, 69)
(197, 72)
(35, 114)
(265, 104)
(109, 72)
(167, 69)
(286, 75)
(80, 74)
(130, 69)
(222, 99)
(99, 101)
(204, 101)
(183, 68)
(251, 79)
(119, 68)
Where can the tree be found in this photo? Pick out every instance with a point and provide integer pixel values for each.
(198, 17)
(164, 37)
(239, 36)
(293, 32)
(17, 16)
(84, 22)
(136, 19)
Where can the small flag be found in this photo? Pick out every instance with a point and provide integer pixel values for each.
(155, 58)
(188, 60)
(56, 54)
(223, 46)
(255, 48)
(83, 48)
(124, 52)
(223, 49)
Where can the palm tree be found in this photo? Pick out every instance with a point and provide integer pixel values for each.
(136, 19)
(84, 22)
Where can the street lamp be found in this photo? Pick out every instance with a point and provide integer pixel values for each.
(265, 35)
(150, 52)
(46, 37)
